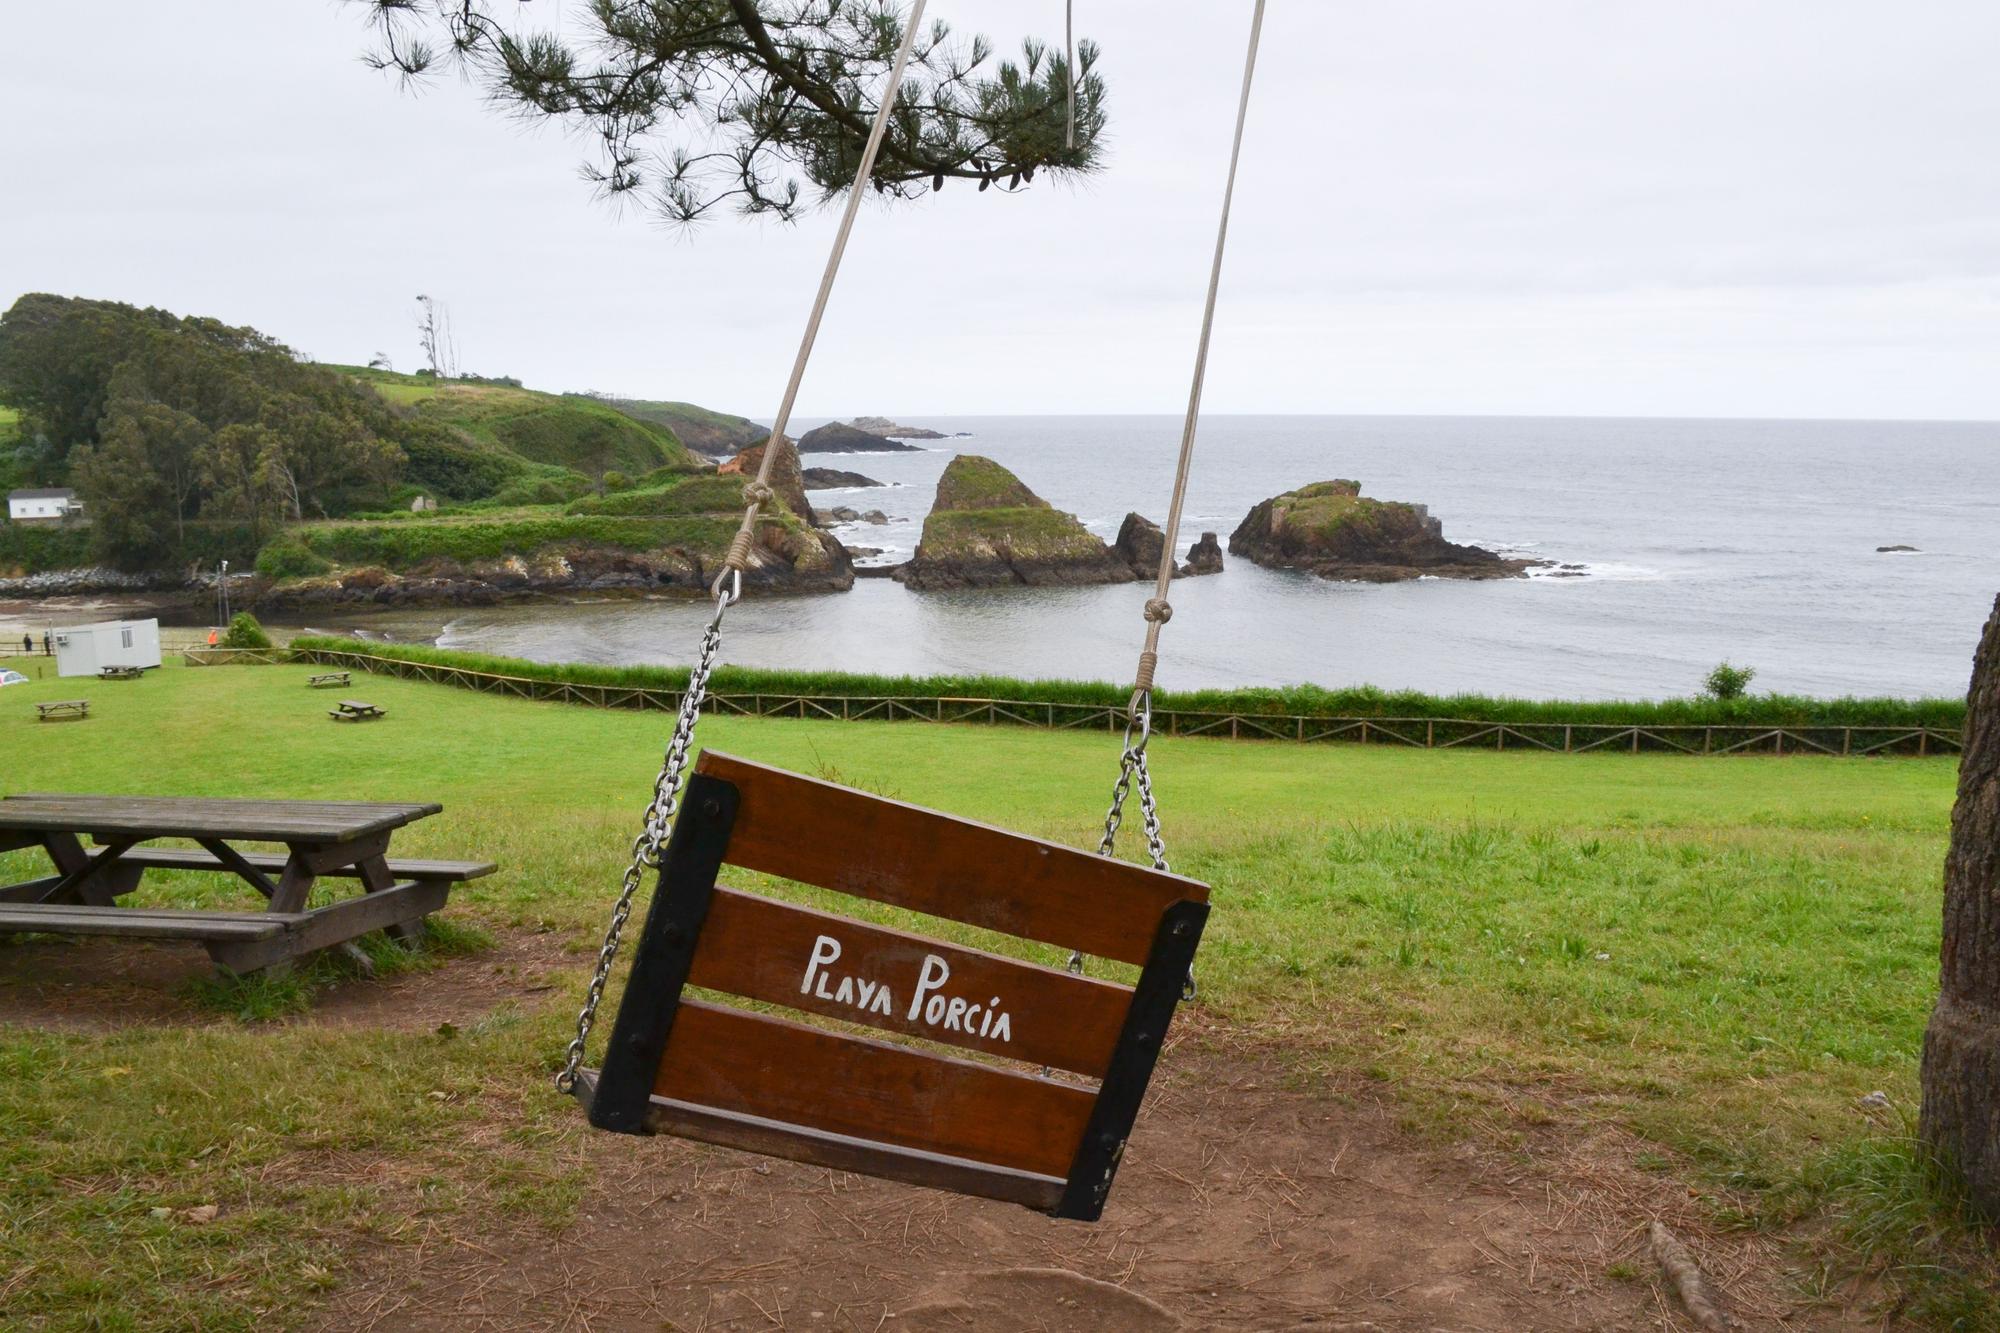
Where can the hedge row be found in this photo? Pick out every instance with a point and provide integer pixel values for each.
(1299, 700)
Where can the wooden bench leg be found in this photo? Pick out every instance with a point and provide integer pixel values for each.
(375, 877)
(101, 889)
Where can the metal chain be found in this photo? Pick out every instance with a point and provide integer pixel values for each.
(1132, 767)
(654, 827)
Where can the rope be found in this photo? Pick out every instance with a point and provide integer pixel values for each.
(658, 821)
(1158, 611)
(758, 491)
(1069, 78)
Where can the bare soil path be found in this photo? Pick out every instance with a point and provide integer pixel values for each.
(1244, 1202)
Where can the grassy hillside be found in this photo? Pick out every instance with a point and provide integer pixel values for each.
(564, 431)
(712, 433)
(1692, 967)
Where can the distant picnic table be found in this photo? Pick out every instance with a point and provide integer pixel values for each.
(338, 839)
(354, 710)
(120, 673)
(328, 678)
(59, 708)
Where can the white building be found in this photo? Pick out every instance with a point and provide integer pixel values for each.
(84, 650)
(49, 505)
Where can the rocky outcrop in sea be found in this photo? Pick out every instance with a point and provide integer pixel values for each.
(1139, 544)
(837, 438)
(1204, 557)
(787, 481)
(1331, 529)
(833, 479)
(987, 530)
(890, 430)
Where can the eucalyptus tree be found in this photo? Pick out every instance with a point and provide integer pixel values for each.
(757, 105)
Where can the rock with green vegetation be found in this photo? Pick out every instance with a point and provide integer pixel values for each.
(1331, 529)
(659, 537)
(987, 530)
(837, 438)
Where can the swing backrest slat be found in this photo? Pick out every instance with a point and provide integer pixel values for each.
(740, 1061)
(910, 1111)
(752, 947)
(858, 843)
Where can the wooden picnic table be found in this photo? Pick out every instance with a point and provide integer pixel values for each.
(339, 839)
(325, 679)
(56, 708)
(120, 673)
(354, 710)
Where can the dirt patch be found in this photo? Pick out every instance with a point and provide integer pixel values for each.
(97, 984)
(1243, 1203)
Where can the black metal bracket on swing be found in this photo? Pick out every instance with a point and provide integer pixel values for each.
(741, 1078)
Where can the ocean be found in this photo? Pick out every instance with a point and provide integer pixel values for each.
(1700, 540)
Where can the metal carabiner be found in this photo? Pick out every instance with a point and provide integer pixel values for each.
(734, 594)
(1140, 714)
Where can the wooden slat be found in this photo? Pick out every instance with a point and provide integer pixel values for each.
(326, 926)
(733, 1060)
(178, 858)
(843, 1152)
(197, 817)
(858, 843)
(760, 949)
(69, 919)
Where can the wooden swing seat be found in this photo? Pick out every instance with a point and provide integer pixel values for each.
(906, 1111)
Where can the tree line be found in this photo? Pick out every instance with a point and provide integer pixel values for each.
(163, 421)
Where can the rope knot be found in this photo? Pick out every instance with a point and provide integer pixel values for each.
(739, 551)
(1157, 610)
(757, 493)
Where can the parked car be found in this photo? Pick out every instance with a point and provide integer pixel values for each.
(12, 678)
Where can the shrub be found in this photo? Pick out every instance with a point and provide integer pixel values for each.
(289, 560)
(617, 481)
(245, 632)
(1727, 681)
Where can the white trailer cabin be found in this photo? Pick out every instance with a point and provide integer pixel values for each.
(85, 650)
(50, 504)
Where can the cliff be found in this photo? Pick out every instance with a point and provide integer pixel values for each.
(987, 530)
(1331, 529)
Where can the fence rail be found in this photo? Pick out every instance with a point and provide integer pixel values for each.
(1416, 732)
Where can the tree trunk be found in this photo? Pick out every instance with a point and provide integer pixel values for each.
(1961, 1069)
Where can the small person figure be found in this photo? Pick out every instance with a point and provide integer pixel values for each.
(48, 644)
(27, 645)
(211, 638)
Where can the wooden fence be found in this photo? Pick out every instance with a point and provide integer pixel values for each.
(1417, 732)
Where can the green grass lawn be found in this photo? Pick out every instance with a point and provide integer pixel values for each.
(1719, 955)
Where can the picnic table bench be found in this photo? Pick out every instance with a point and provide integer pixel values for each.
(322, 839)
(120, 673)
(353, 710)
(58, 708)
(328, 678)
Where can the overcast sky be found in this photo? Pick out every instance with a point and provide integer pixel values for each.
(1708, 208)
